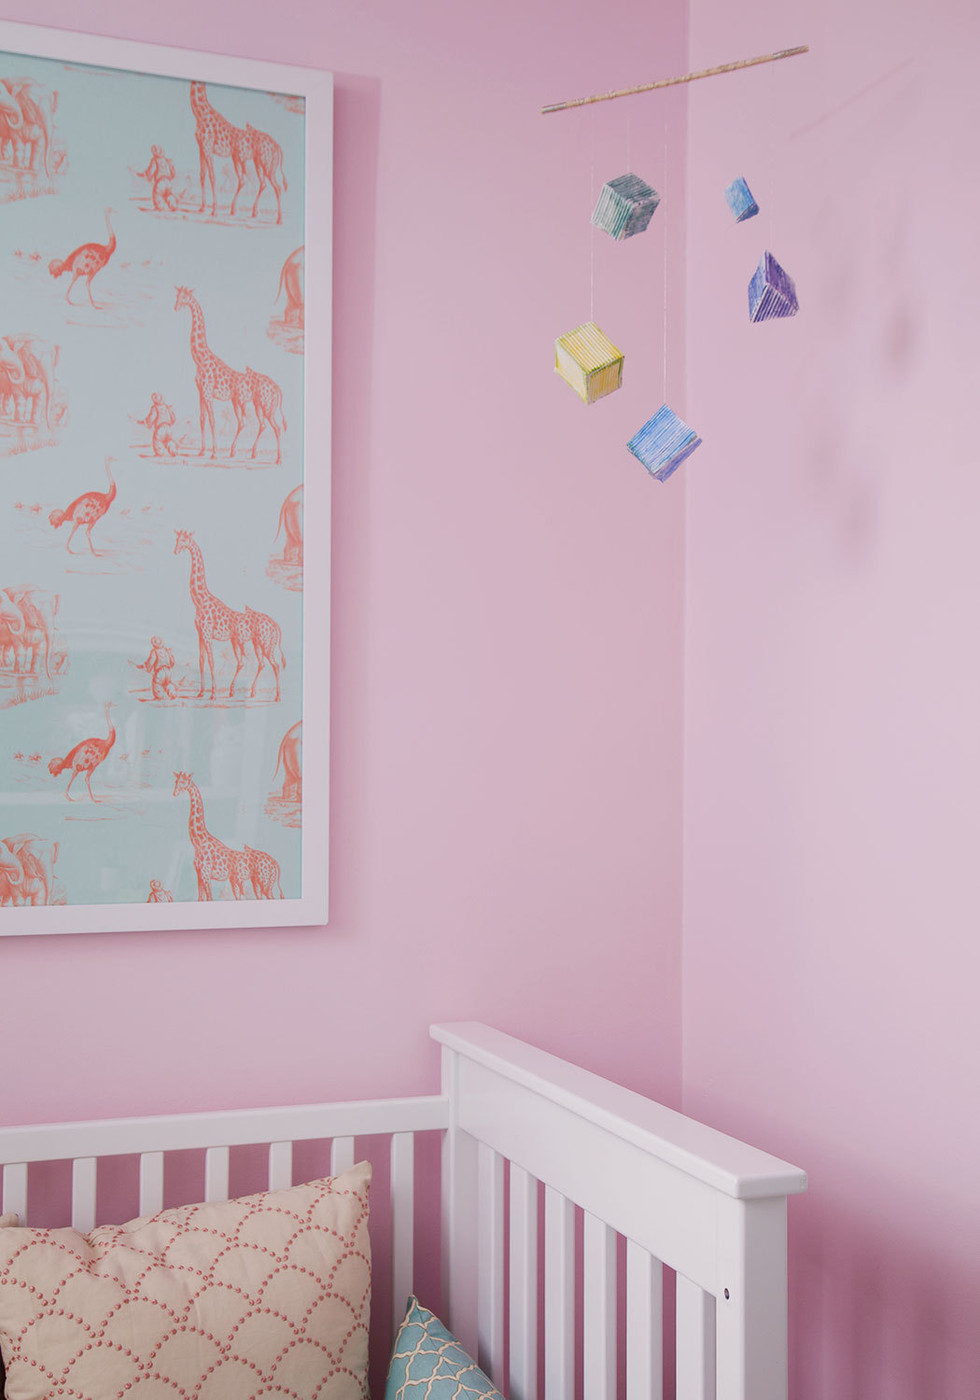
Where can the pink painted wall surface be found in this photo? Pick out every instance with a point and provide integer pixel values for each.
(831, 959)
(507, 600)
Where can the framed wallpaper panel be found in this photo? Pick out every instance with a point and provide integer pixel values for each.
(165, 265)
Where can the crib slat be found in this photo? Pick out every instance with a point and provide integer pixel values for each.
(402, 1222)
(151, 1183)
(83, 1184)
(559, 1296)
(341, 1155)
(15, 1190)
(216, 1174)
(695, 1342)
(280, 1165)
(599, 1307)
(459, 1190)
(523, 1284)
(491, 1247)
(644, 1324)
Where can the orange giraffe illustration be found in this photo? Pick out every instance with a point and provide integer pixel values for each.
(239, 873)
(85, 261)
(85, 758)
(265, 874)
(267, 641)
(217, 136)
(267, 155)
(214, 620)
(266, 399)
(214, 378)
(86, 510)
(213, 860)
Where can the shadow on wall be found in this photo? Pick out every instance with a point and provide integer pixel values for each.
(357, 104)
(875, 1314)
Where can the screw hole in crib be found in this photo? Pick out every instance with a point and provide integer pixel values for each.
(727, 1294)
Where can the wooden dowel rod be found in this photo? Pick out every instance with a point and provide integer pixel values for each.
(672, 82)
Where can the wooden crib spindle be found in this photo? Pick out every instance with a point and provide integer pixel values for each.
(599, 1308)
(695, 1342)
(280, 1165)
(83, 1188)
(151, 1183)
(559, 1296)
(402, 1222)
(644, 1324)
(216, 1164)
(341, 1155)
(15, 1190)
(523, 1284)
(490, 1307)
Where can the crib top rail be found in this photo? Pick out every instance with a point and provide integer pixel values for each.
(700, 1152)
(108, 1137)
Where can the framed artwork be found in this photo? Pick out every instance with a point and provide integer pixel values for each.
(165, 266)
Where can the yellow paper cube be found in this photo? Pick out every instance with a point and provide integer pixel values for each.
(588, 361)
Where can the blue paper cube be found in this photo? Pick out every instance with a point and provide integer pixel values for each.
(625, 206)
(663, 443)
(740, 200)
(772, 292)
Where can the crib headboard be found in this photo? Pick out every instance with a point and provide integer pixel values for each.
(563, 1197)
(679, 1193)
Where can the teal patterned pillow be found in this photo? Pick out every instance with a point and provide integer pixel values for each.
(427, 1361)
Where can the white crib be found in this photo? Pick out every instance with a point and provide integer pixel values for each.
(563, 1196)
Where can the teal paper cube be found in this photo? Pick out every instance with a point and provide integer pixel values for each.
(625, 206)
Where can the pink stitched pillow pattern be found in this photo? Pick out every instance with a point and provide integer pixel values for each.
(263, 1296)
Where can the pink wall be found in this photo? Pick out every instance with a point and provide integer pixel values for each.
(831, 959)
(507, 603)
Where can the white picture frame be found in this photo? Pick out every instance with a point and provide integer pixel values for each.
(62, 899)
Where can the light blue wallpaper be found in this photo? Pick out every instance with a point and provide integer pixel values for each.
(127, 314)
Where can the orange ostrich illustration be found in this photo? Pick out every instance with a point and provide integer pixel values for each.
(85, 758)
(85, 261)
(86, 510)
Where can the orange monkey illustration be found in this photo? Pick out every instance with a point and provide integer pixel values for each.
(160, 666)
(161, 174)
(160, 421)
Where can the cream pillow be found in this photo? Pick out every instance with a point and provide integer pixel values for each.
(266, 1295)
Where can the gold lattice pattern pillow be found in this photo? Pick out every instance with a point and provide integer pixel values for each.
(429, 1363)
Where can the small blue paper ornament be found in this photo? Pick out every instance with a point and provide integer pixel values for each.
(740, 200)
(625, 206)
(772, 292)
(663, 443)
